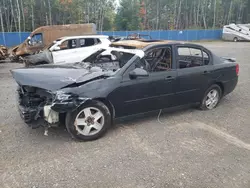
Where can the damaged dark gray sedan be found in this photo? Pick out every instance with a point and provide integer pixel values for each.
(115, 82)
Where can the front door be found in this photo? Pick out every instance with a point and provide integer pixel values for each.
(144, 94)
(67, 52)
(87, 46)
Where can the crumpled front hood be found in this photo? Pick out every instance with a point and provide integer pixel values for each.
(53, 77)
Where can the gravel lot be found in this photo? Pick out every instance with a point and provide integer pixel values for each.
(187, 148)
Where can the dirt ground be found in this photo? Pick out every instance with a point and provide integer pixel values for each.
(187, 148)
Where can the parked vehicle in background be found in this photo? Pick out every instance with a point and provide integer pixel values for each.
(44, 36)
(134, 36)
(137, 44)
(116, 38)
(93, 93)
(3, 52)
(236, 32)
(69, 50)
(138, 36)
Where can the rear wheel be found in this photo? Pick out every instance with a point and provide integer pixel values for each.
(211, 98)
(89, 122)
(235, 39)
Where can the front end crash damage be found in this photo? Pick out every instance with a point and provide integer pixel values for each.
(47, 92)
(40, 107)
(65, 102)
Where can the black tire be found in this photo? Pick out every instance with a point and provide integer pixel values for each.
(71, 116)
(203, 105)
(236, 39)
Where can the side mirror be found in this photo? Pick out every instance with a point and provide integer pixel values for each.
(29, 41)
(56, 48)
(138, 72)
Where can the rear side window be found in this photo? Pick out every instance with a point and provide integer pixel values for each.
(189, 57)
(82, 42)
(184, 52)
(87, 42)
(98, 41)
(68, 44)
(206, 58)
(196, 52)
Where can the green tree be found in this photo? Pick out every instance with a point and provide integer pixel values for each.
(26, 15)
(127, 17)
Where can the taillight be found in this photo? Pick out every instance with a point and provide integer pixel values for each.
(237, 69)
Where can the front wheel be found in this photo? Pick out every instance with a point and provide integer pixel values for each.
(235, 39)
(211, 98)
(89, 122)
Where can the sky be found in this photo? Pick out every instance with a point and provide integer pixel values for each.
(117, 2)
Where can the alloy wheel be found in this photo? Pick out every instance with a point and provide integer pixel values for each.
(212, 99)
(89, 121)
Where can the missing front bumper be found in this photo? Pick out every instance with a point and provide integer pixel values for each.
(27, 114)
(39, 117)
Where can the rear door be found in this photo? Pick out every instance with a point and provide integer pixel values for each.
(194, 70)
(67, 52)
(86, 47)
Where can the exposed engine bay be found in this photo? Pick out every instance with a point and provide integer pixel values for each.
(39, 104)
(107, 60)
(31, 102)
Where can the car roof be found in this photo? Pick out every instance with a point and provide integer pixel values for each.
(140, 44)
(137, 52)
(85, 36)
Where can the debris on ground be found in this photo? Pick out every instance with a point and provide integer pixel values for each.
(3, 52)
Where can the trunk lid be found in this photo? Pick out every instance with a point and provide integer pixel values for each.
(229, 59)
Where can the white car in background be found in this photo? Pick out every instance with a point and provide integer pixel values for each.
(236, 32)
(77, 48)
(69, 50)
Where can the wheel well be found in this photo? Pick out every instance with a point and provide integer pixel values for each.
(42, 63)
(108, 104)
(27, 64)
(221, 86)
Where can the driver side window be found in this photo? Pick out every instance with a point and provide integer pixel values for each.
(157, 60)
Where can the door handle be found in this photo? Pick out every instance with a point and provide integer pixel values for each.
(206, 72)
(169, 78)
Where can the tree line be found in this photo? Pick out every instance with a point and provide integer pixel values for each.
(26, 15)
(181, 14)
